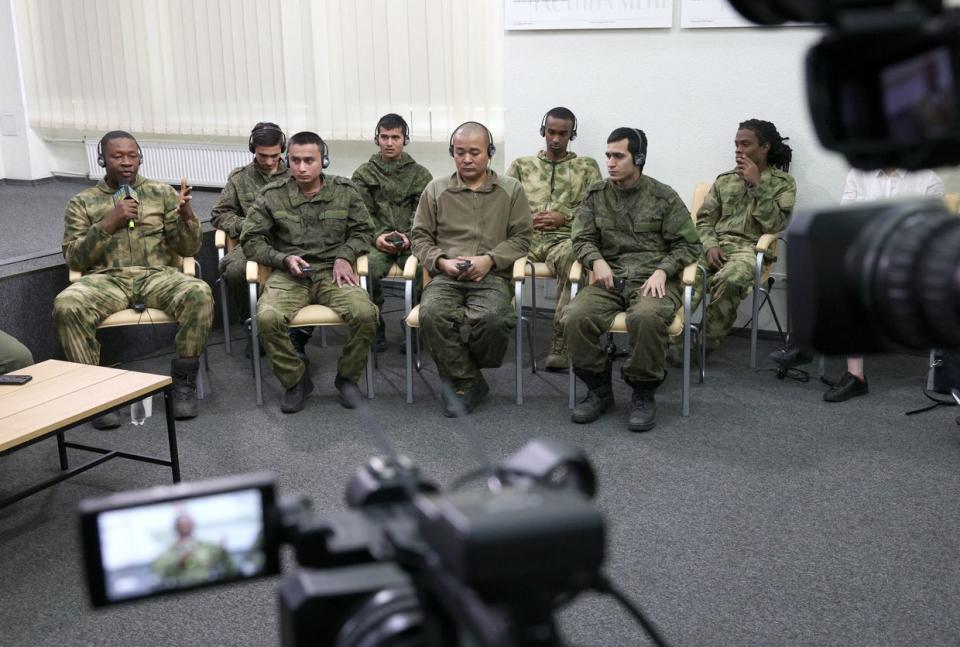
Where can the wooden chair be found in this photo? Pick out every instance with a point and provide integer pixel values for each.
(152, 316)
(412, 320)
(310, 316)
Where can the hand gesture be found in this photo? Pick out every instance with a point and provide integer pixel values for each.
(184, 206)
(603, 275)
(749, 171)
(124, 211)
(548, 220)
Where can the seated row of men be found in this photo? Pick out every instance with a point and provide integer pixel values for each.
(632, 232)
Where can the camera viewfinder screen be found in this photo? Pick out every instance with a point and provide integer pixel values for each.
(182, 544)
(919, 97)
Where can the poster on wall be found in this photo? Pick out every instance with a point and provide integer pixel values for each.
(705, 14)
(587, 14)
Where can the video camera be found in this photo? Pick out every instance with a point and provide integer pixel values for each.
(405, 566)
(882, 88)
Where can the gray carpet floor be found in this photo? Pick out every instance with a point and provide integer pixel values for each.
(767, 517)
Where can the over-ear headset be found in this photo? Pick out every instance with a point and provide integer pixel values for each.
(491, 149)
(403, 127)
(324, 155)
(543, 126)
(641, 155)
(268, 127)
(102, 162)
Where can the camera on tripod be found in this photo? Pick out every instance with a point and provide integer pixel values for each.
(405, 566)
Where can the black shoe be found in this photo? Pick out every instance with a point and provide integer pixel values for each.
(295, 396)
(592, 407)
(460, 402)
(849, 386)
(350, 396)
(380, 342)
(790, 356)
(107, 421)
(184, 374)
(300, 338)
(643, 410)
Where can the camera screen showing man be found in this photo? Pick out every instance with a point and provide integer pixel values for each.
(181, 544)
(919, 97)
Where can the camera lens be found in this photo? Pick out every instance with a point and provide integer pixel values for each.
(877, 277)
(388, 618)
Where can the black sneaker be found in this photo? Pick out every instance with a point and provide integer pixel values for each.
(790, 356)
(295, 397)
(350, 396)
(849, 386)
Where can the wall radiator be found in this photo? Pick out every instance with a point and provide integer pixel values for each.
(202, 164)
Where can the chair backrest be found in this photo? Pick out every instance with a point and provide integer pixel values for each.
(700, 192)
(953, 202)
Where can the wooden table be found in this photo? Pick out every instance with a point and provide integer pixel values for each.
(62, 395)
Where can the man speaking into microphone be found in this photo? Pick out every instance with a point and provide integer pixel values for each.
(126, 235)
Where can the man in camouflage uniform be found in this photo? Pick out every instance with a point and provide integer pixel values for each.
(267, 144)
(555, 180)
(127, 235)
(311, 227)
(390, 183)
(469, 229)
(13, 354)
(755, 198)
(190, 560)
(634, 233)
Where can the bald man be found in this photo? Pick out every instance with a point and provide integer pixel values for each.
(469, 229)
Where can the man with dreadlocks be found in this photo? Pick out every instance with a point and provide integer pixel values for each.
(755, 198)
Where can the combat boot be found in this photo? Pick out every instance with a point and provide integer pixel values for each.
(184, 374)
(599, 398)
(643, 406)
(557, 360)
(107, 421)
(380, 342)
(296, 395)
(350, 396)
(300, 337)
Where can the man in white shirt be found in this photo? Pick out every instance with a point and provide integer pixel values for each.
(867, 186)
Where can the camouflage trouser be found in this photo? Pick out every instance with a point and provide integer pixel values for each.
(728, 287)
(78, 309)
(13, 354)
(233, 270)
(588, 318)
(380, 264)
(484, 307)
(559, 258)
(284, 295)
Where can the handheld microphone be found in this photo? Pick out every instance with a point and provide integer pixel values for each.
(125, 192)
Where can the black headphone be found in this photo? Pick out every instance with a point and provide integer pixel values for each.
(491, 149)
(270, 127)
(403, 127)
(324, 154)
(543, 125)
(641, 155)
(102, 162)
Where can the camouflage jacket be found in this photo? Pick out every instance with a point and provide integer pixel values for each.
(734, 212)
(159, 236)
(238, 195)
(636, 230)
(555, 186)
(391, 191)
(453, 220)
(282, 222)
(191, 561)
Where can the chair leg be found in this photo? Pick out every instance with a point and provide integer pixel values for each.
(572, 389)
(687, 313)
(323, 337)
(255, 345)
(518, 304)
(532, 336)
(369, 372)
(755, 324)
(408, 335)
(201, 375)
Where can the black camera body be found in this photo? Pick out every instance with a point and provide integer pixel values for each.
(406, 565)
